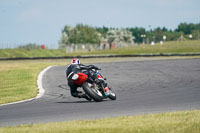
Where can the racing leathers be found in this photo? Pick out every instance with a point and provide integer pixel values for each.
(74, 69)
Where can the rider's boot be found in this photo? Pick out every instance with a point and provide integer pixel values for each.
(80, 94)
(86, 97)
(106, 90)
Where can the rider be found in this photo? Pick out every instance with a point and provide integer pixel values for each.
(74, 68)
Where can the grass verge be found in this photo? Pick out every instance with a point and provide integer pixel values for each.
(167, 47)
(175, 122)
(18, 79)
(18, 82)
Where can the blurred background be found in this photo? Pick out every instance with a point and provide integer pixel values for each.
(96, 24)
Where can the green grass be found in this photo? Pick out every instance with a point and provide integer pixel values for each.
(168, 47)
(18, 82)
(174, 122)
(18, 79)
(13, 53)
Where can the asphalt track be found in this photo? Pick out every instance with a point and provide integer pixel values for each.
(141, 87)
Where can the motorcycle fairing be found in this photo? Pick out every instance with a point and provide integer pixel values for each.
(81, 79)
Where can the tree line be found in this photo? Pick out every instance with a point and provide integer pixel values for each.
(84, 34)
(186, 30)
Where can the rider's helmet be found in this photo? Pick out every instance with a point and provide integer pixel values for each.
(75, 61)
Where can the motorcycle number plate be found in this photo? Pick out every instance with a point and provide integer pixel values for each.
(75, 77)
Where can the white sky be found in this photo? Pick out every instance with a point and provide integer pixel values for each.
(41, 21)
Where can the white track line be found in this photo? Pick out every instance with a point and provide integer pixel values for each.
(40, 87)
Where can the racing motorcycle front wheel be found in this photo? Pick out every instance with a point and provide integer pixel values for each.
(112, 95)
(93, 91)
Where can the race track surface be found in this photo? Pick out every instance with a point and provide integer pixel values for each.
(141, 87)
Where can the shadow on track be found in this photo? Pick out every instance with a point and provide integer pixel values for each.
(106, 100)
(77, 102)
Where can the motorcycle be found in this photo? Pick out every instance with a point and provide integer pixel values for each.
(94, 88)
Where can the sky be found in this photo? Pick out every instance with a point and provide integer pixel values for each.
(41, 21)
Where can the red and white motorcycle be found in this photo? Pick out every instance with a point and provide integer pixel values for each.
(95, 90)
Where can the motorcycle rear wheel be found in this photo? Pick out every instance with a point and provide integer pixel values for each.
(92, 92)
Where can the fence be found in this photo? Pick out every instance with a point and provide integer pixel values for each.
(15, 45)
(69, 48)
(91, 47)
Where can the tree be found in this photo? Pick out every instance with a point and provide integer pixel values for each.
(186, 28)
(137, 32)
(120, 36)
(81, 34)
(172, 35)
(158, 33)
(196, 34)
(103, 31)
(84, 34)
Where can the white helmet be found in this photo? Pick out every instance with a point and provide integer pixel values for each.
(75, 61)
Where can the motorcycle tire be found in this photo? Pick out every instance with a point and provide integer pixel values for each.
(95, 94)
(112, 95)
